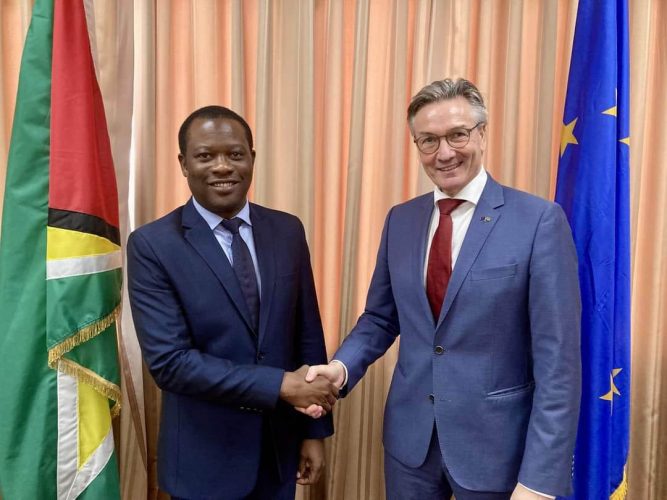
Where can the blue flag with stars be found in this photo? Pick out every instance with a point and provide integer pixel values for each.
(593, 189)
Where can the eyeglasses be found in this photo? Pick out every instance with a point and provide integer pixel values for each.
(456, 139)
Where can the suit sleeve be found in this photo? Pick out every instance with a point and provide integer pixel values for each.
(312, 349)
(175, 363)
(555, 316)
(378, 326)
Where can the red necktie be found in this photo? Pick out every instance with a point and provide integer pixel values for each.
(440, 257)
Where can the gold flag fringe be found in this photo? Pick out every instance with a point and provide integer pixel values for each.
(622, 490)
(89, 377)
(57, 362)
(83, 335)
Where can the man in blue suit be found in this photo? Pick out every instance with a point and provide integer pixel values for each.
(224, 305)
(480, 281)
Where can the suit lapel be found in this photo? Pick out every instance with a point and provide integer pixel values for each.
(422, 223)
(484, 218)
(265, 249)
(200, 236)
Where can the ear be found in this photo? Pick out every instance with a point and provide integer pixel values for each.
(482, 136)
(181, 160)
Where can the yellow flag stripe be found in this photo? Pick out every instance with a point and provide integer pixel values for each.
(94, 421)
(94, 466)
(65, 244)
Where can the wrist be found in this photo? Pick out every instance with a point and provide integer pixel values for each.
(287, 385)
(341, 372)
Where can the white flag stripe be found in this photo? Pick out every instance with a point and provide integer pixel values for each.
(95, 464)
(68, 435)
(77, 266)
(72, 481)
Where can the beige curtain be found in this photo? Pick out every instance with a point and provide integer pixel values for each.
(14, 21)
(648, 131)
(324, 84)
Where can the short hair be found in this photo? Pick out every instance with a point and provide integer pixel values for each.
(443, 90)
(211, 113)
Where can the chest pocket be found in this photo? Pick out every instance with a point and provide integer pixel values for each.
(492, 273)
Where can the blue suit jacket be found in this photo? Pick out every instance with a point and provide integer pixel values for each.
(504, 393)
(220, 379)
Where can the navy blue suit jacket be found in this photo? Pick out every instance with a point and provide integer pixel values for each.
(504, 389)
(220, 378)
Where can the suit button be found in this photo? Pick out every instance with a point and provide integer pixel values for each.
(260, 356)
(439, 349)
(431, 397)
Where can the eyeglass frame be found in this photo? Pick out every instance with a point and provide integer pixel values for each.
(439, 137)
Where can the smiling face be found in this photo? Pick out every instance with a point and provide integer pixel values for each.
(450, 169)
(218, 164)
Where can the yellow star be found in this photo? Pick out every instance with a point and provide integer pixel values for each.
(613, 389)
(612, 111)
(567, 136)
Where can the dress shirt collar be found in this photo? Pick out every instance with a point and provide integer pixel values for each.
(213, 220)
(471, 192)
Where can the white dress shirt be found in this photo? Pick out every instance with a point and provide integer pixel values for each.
(225, 236)
(461, 215)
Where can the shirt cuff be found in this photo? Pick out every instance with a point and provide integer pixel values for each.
(344, 368)
(533, 491)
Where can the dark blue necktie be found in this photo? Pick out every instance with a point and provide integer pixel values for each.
(244, 269)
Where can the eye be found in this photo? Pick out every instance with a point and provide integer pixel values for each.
(428, 140)
(237, 155)
(203, 156)
(457, 135)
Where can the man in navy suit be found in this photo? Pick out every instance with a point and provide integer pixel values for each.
(224, 305)
(480, 281)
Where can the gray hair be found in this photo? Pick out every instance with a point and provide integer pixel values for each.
(443, 90)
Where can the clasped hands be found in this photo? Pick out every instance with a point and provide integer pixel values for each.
(313, 390)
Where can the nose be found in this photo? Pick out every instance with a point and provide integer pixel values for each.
(222, 163)
(445, 151)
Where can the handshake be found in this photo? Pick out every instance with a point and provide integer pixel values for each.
(313, 390)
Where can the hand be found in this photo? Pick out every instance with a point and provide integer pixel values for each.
(335, 373)
(313, 411)
(299, 393)
(311, 463)
(523, 493)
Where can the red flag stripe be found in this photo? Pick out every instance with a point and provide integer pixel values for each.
(82, 176)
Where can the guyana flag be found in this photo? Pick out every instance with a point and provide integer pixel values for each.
(60, 273)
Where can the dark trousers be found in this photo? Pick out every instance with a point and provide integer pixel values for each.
(268, 485)
(431, 480)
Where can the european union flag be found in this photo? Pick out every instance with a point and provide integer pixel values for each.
(593, 189)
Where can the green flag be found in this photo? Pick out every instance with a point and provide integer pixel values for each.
(60, 273)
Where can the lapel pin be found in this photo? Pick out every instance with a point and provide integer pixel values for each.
(486, 218)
